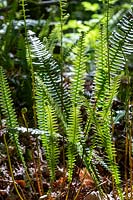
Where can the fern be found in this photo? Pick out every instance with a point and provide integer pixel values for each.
(63, 5)
(79, 69)
(9, 112)
(49, 71)
(77, 84)
(47, 122)
(121, 44)
(73, 138)
(110, 64)
(101, 80)
(50, 140)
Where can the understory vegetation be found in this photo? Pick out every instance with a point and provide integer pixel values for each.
(66, 100)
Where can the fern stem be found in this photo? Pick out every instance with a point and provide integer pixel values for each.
(125, 164)
(11, 171)
(108, 53)
(61, 74)
(127, 128)
(129, 132)
(61, 51)
(67, 195)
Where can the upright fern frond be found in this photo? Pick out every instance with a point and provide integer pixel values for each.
(23, 5)
(47, 122)
(76, 88)
(50, 140)
(63, 5)
(73, 137)
(9, 112)
(49, 71)
(79, 69)
(120, 44)
(101, 80)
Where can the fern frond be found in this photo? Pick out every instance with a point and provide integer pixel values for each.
(73, 137)
(113, 59)
(76, 88)
(121, 43)
(101, 80)
(23, 4)
(43, 95)
(9, 112)
(47, 122)
(50, 140)
(102, 125)
(48, 70)
(110, 64)
(63, 5)
(79, 69)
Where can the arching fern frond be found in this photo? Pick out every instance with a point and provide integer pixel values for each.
(49, 71)
(121, 43)
(8, 111)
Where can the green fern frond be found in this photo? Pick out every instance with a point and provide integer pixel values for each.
(73, 137)
(121, 44)
(114, 86)
(102, 125)
(49, 71)
(50, 140)
(101, 80)
(76, 88)
(43, 95)
(23, 4)
(63, 5)
(79, 69)
(9, 112)
(111, 59)
(90, 115)
(47, 122)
